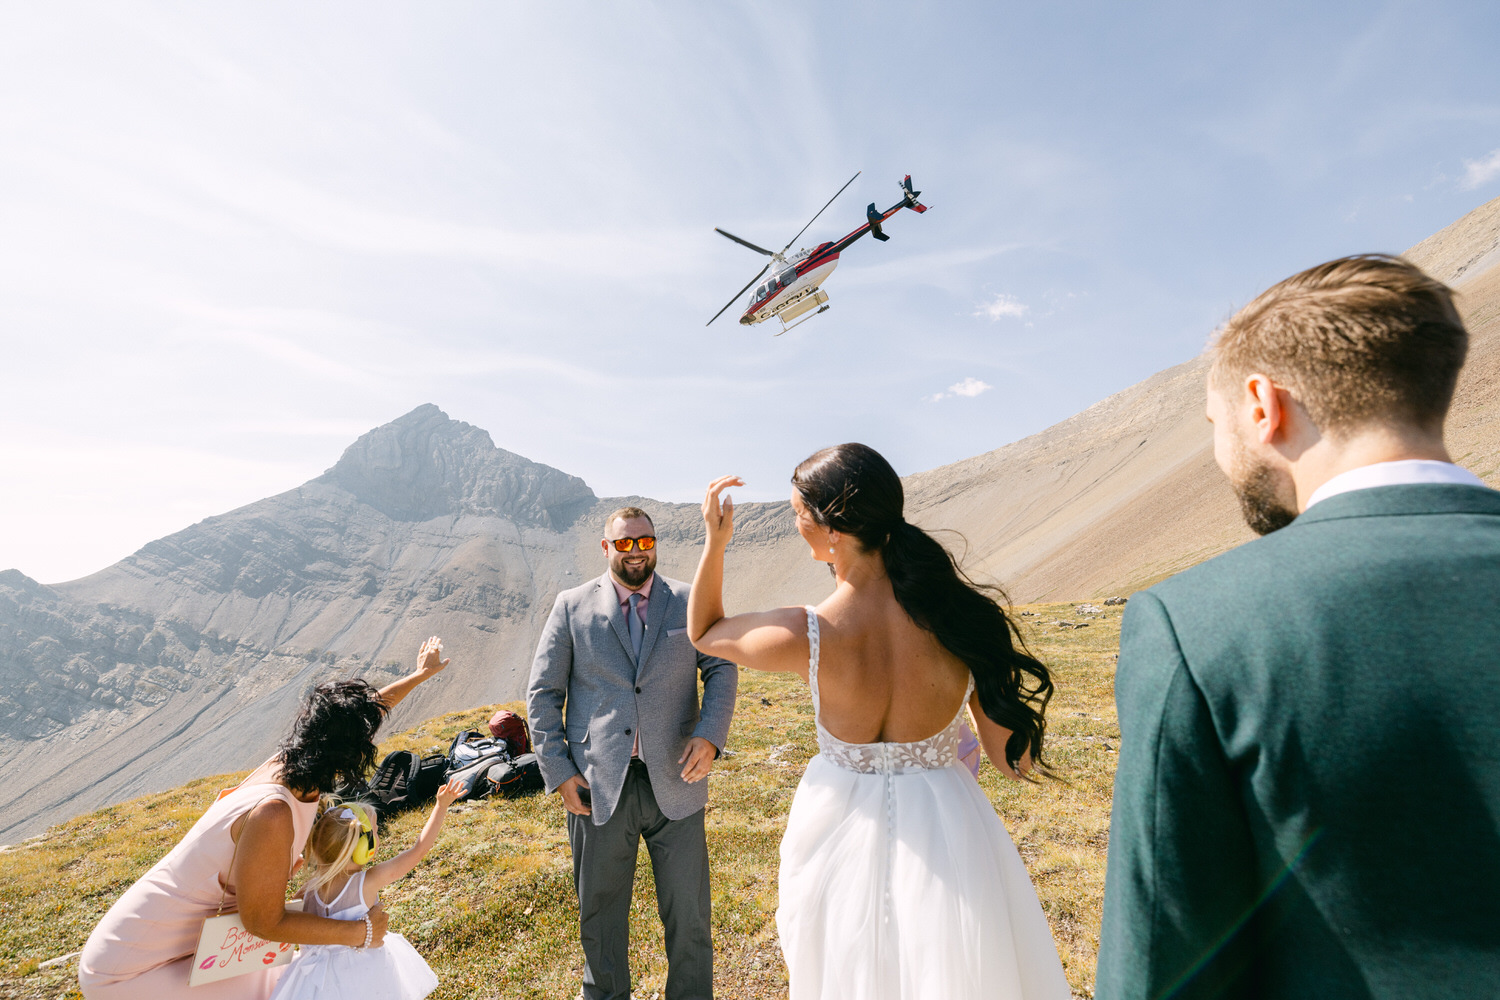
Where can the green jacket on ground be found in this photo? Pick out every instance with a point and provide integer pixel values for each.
(1308, 796)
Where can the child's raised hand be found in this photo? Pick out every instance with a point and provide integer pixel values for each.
(450, 793)
(386, 872)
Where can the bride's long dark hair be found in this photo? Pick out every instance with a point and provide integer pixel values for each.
(851, 489)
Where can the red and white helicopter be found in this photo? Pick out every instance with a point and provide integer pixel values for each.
(795, 287)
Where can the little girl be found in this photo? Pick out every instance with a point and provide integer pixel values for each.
(342, 843)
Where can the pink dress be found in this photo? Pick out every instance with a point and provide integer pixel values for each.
(142, 947)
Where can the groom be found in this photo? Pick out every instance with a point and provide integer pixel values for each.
(1309, 777)
(622, 736)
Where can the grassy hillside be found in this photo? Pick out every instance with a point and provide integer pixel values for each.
(492, 907)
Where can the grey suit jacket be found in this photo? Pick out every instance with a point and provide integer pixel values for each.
(588, 698)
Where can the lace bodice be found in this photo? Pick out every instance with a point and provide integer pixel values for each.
(934, 752)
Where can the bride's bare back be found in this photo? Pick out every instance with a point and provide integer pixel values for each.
(881, 678)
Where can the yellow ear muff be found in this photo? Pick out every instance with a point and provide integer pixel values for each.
(364, 847)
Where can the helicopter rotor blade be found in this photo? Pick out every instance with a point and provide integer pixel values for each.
(820, 211)
(744, 243)
(737, 294)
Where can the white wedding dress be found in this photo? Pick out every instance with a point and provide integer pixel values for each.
(898, 881)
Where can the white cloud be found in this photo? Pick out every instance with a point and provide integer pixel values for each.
(1003, 306)
(969, 387)
(1481, 171)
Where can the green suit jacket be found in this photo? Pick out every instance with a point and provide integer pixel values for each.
(1308, 796)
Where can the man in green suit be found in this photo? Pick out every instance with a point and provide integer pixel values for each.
(1308, 796)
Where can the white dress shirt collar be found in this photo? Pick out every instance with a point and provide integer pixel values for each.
(1406, 472)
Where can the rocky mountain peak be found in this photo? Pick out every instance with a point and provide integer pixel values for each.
(426, 464)
(19, 581)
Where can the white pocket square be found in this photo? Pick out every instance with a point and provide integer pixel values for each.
(676, 631)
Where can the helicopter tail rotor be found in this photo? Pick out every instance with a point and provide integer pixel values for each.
(909, 197)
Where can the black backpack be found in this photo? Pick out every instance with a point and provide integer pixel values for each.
(404, 781)
(512, 778)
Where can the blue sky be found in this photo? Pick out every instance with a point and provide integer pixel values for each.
(235, 236)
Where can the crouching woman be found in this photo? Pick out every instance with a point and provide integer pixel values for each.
(243, 851)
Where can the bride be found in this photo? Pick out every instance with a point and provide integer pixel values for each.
(897, 878)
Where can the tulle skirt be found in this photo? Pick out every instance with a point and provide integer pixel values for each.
(394, 971)
(907, 887)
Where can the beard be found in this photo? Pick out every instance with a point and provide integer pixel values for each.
(635, 576)
(1256, 485)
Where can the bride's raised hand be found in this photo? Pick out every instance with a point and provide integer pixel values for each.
(718, 517)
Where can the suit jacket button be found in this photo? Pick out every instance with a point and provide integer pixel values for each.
(627, 732)
(637, 690)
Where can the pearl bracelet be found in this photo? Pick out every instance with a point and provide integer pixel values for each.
(369, 934)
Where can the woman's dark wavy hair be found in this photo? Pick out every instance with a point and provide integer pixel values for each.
(333, 738)
(851, 489)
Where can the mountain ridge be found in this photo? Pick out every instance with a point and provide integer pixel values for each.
(191, 654)
(198, 645)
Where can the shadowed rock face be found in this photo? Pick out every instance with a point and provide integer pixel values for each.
(189, 657)
(62, 662)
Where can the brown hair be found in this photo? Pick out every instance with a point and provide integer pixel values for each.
(626, 513)
(1360, 340)
(852, 489)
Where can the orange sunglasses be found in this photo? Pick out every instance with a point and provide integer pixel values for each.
(645, 543)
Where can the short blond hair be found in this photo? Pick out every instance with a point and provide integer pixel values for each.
(625, 514)
(1359, 341)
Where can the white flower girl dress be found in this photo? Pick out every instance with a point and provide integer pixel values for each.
(394, 971)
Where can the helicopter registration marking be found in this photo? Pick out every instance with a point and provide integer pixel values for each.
(809, 282)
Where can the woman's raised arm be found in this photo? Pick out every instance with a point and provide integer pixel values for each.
(430, 662)
(763, 640)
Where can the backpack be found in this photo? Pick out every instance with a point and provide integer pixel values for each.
(511, 728)
(512, 778)
(404, 781)
(469, 745)
(470, 756)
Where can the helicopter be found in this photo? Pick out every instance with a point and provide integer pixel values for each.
(795, 286)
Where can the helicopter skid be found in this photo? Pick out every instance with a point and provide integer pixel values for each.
(794, 326)
(805, 304)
